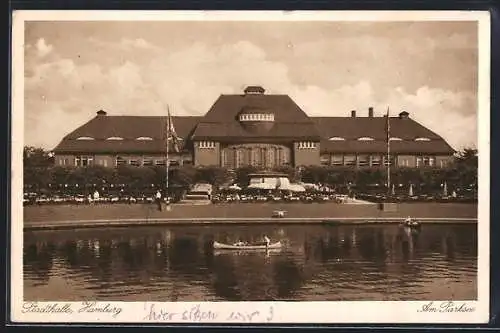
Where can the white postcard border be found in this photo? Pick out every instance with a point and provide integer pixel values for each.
(251, 312)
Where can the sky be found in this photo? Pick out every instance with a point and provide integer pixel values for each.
(75, 68)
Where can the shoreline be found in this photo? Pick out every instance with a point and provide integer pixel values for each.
(86, 224)
(125, 215)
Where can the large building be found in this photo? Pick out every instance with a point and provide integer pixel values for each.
(258, 129)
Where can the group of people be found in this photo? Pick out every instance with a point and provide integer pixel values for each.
(267, 241)
(158, 200)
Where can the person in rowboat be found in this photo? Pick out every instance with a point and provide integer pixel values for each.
(239, 243)
(267, 240)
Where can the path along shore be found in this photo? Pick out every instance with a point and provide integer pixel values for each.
(116, 215)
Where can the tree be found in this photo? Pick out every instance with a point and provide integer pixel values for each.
(213, 174)
(465, 167)
(184, 176)
(467, 156)
(37, 157)
(289, 171)
(242, 174)
(38, 177)
(314, 174)
(61, 175)
(133, 176)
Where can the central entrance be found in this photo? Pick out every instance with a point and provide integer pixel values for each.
(255, 154)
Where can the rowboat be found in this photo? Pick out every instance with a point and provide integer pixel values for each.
(221, 246)
(411, 223)
(243, 252)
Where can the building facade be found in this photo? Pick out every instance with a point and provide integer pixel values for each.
(254, 129)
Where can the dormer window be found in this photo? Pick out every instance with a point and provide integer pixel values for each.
(422, 139)
(336, 138)
(114, 138)
(365, 138)
(395, 139)
(144, 138)
(85, 138)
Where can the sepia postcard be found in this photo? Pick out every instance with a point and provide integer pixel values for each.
(250, 167)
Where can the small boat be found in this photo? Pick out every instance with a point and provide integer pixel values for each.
(411, 223)
(259, 246)
(279, 213)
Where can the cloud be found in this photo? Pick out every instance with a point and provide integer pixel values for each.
(62, 93)
(125, 44)
(138, 43)
(43, 48)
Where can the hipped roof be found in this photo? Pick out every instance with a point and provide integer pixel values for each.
(352, 128)
(221, 124)
(129, 128)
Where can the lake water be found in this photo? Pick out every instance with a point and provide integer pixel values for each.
(320, 263)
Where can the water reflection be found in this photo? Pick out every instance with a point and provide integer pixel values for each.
(317, 263)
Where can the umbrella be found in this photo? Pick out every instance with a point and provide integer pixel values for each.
(410, 191)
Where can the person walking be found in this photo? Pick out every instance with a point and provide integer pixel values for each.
(96, 196)
(158, 199)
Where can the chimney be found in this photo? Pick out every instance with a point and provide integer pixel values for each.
(370, 112)
(353, 114)
(101, 113)
(404, 115)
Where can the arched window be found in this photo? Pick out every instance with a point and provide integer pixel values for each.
(395, 139)
(365, 138)
(422, 139)
(114, 138)
(85, 138)
(336, 138)
(144, 138)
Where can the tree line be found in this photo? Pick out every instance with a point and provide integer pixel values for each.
(41, 173)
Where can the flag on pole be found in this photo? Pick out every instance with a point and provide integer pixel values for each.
(171, 134)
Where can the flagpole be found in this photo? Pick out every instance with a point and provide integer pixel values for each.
(168, 143)
(388, 153)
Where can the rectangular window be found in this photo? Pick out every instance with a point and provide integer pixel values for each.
(160, 162)
(83, 160)
(403, 162)
(338, 160)
(120, 161)
(147, 161)
(419, 161)
(432, 161)
(270, 157)
(324, 159)
(363, 160)
(443, 163)
(173, 163)
(350, 160)
(134, 162)
(376, 160)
